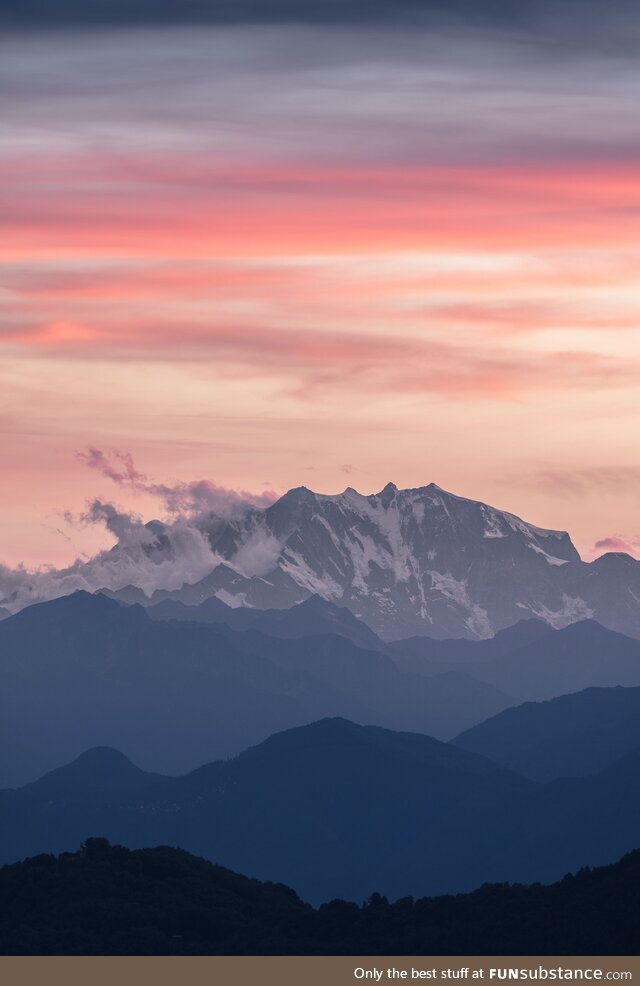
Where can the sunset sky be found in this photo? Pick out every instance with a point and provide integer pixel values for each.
(326, 251)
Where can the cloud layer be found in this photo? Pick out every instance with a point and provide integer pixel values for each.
(249, 251)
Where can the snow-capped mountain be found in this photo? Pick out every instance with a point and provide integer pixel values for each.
(418, 561)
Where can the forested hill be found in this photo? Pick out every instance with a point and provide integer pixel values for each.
(109, 900)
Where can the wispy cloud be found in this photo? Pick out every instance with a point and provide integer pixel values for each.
(315, 365)
(192, 499)
(572, 481)
(115, 465)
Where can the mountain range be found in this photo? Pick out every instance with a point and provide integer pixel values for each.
(407, 562)
(84, 670)
(336, 809)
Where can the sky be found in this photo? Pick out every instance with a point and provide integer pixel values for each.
(266, 245)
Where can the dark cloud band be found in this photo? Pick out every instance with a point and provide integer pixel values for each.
(131, 12)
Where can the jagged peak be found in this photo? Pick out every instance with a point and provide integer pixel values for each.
(391, 493)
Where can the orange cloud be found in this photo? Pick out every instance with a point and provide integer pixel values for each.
(54, 334)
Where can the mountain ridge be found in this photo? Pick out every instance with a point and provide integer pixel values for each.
(571, 735)
(177, 904)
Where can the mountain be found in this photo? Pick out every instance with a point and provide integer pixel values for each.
(531, 663)
(84, 671)
(311, 617)
(101, 775)
(573, 735)
(416, 561)
(107, 900)
(337, 809)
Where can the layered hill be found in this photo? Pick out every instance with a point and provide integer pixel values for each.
(84, 671)
(335, 809)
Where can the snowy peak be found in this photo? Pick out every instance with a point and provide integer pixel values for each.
(434, 509)
(415, 561)
(404, 561)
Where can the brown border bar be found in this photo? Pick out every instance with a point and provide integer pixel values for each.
(308, 971)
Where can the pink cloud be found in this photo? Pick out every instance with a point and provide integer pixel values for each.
(181, 205)
(617, 542)
(317, 361)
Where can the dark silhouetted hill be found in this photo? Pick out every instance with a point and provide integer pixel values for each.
(106, 900)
